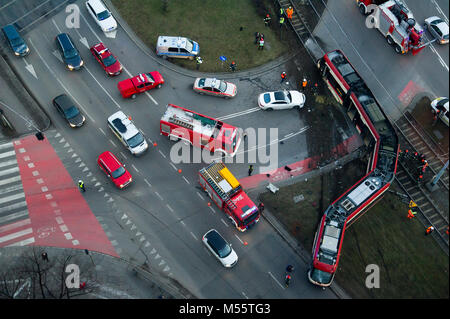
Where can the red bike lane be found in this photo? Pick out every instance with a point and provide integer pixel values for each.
(59, 214)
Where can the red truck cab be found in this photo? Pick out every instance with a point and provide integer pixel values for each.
(140, 83)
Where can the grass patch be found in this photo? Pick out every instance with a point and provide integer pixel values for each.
(213, 24)
(411, 264)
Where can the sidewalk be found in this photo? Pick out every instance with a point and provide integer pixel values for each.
(114, 278)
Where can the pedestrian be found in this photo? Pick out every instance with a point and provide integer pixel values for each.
(81, 185)
(304, 83)
(290, 268)
(233, 66)
(261, 44)
(281, 13)
(281, 21)
(411, 214)
(289, 12)
(261, 207)
(44, 256)
(83, 285)
(199, 61)
(429, 230)
(250, 170)
(283, 77)
(267, 20)
(257, 36)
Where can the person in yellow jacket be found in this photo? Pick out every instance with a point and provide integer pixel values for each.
(289, 12)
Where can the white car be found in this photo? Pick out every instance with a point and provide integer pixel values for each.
(438, 28)
(441, 104)
(220, 248)
(101, 15)
(215, 87)
(280, 100)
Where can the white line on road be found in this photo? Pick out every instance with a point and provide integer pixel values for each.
(243, 293)
(229, 116)
(112, 99)
(210, 207)
(170, 208)
(182, 223)
(239, 239)
(151, 98)
(101, 130)
(56, 26)
(224, 222)
(113, 143)
(147, 182)
(174, 167)
(123, 155)
(160, 152)
(194, 236)
(276, 280)
(157, 194)
(200, 195)
(185, 179)
(132, 165)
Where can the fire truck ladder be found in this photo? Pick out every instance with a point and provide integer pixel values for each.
(181, 123)
(219, 191)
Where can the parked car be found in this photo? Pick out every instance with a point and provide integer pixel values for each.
(114, 169)
(441, 104)
(101, 15)
(68, 110)
(438, 28)
(220, 248)
(215, 87)
(107, 60)
(280, 100)
(140, 83)
(15, 41)
(69, 53)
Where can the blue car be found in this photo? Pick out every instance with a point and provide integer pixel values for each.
(69, 53)
(15, 41)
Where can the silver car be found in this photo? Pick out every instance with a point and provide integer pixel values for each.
(216, 87)
(438, 28)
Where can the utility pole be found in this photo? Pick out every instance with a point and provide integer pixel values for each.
(432, 186)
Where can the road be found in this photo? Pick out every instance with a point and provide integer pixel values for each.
(394, 79)
(162, 216)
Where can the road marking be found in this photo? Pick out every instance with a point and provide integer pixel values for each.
(160, 152)
(239, 239)
(117, 104)
(276, 280)
(146, 181)
(193, 235)
(243, 293)
(132, 165)
(101, 130)
(151, 98)
(210, 207)
(200, 195)
(43, 16)
(229, 116)
(123, 155)
(15, 235)
(60, 83)
(186, 180)
(15, 225)
(30, 68)
(9, 3)
(224, 222)
(182, 223)
(89, 26)
(113, 143)
(174, 167)
(170, 208)
(22, 242)
(10, 180)
(157, 194)
(56, 26)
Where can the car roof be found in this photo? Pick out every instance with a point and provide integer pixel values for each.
(65, 40)
(109, 160)
(102, 50)
(179, 42)
(279, 95)
(11, 30)
(215, 239)
(122, 122)
(212, 82)
(97, 5)
(64, 101)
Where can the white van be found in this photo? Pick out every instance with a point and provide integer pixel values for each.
(177, 47)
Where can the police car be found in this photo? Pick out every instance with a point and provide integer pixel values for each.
(212, 86)
(127, 133)
(176, 47)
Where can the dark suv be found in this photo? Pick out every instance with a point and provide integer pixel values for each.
(69, 52)
(15, 41)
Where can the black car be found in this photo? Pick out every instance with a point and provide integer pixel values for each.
(15, 41)
(69, 52)
(68, 110)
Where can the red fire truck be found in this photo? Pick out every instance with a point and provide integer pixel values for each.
(226, 191)
(199, 130)
(397, 24)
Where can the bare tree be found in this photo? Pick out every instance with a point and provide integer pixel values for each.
(33, 276)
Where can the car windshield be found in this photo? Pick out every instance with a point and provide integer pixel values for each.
(189, 45)
(437, 21)
(71, 112)
(224, 251)
(135, 140)
(70, 53)
(118, 172)
(279, 96)
(150, 77)
(103, 15)
(321, 276)
(267, 98)
(16, 42)
(108, 61)
(222, 86)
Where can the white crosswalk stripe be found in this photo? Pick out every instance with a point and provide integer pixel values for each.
(15, 224)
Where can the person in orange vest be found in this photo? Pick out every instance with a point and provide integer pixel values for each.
(429, 230)
(289, 12)
(283, 77)
(411, 214)
(304, 83)
(446, 231)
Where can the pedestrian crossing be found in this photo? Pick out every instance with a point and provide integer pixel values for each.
(15, 223)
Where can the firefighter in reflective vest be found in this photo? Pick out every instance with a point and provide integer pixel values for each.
(289, 12)
(267, 20)
(281, 21)
(199, 61)
(411, 214)
(429, 230)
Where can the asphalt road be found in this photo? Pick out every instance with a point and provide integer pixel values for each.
(393, 78)
(167, 206)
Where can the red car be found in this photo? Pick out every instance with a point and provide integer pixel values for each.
(140, 83)
(107, 60)
(114, 169)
